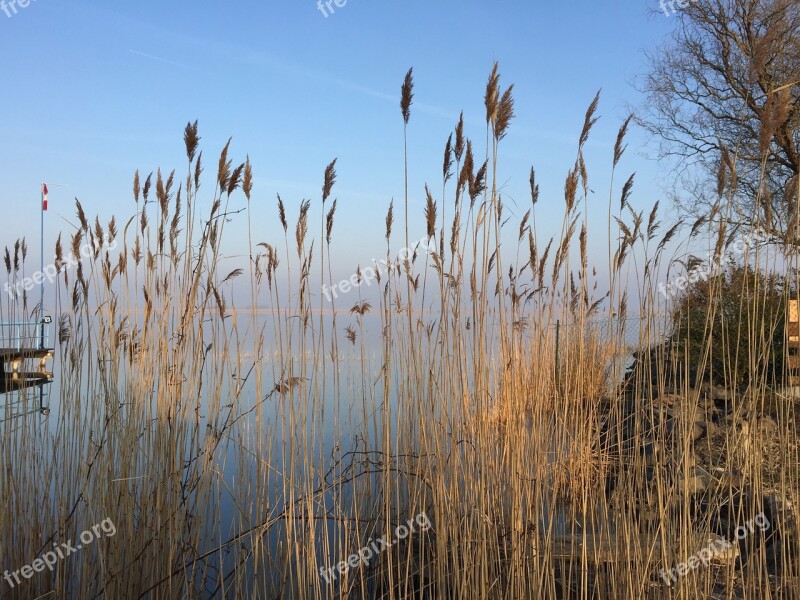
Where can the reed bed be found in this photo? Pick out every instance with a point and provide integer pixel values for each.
(246, 454)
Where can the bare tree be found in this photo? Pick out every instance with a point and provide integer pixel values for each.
(723, 95)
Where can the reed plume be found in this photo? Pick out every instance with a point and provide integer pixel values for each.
(407, 95)
(447, 167)
(191, 140)
(243, 452)
(619, 145)
(330, 180)
(534, 187)
(282, 214)
(430, 214)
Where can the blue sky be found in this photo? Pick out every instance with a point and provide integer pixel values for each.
(94, 92)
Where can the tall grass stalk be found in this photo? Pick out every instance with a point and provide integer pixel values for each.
(241, 450)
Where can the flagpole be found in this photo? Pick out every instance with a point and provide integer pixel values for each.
(41, 270)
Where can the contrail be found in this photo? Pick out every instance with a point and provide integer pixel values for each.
(164, 60)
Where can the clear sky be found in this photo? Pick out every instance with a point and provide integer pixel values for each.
(94, 91)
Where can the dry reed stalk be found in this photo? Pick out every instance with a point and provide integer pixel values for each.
(232, 466)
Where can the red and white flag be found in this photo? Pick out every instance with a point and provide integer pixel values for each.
(44, 196)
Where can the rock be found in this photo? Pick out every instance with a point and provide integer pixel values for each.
(791, 392)
(725, 552)
(721, 551)
(707, 406)
(668, 400)
(782, 514)
(781, 537)
(652, 452)
(698, 481)
(714, 393)
(767, 428)
(690, 409)
(736, 426)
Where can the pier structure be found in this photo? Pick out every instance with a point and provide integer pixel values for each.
(24, 352)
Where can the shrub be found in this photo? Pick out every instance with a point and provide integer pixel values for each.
(730, 327)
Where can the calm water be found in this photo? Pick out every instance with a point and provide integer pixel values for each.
(339, 417)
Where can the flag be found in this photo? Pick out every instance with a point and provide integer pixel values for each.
(44, 196)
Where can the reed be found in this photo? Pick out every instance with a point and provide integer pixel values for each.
(245, 451)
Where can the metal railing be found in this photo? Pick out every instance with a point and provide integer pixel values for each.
(25, 335)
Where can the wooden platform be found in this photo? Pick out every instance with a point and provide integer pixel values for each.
(12, 354)
(24, 382)
(15, 364)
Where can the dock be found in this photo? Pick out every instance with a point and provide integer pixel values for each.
(24, 352)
